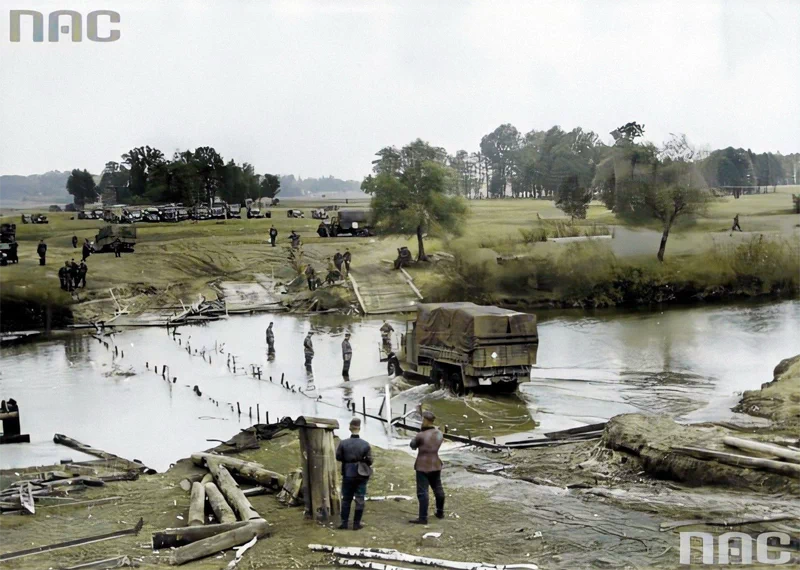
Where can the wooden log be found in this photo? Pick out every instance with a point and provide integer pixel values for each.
(197, 505)
(249, 470)
(567, 433)
(221, 508)
(207, 478)
(105, 564)
(253, 491)
(765, 448)
(219, 542)
(397, 556)
(292, 492)
(232, 492)
(788, 469)
(175, 537)
(88, 503)
(320, 487)
(737, 521)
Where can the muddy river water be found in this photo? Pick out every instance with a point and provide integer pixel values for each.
(689, 363)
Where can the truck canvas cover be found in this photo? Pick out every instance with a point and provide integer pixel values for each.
(465, 326)
(122, 232)
(350, 216)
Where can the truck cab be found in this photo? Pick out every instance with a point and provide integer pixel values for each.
(463, 346)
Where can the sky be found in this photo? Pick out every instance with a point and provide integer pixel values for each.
(316, 87)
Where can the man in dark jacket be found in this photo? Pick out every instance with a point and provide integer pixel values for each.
(86, 251)
(428, 467)
(41, 250)
(347, 258)
(273, 235)
(270, 338)
(308, 349)
(74, 242)
(351, 452)
(83, 269)
(63, 276)
(347, 355)
(73, 274)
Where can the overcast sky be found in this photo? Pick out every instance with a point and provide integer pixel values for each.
(314, 88)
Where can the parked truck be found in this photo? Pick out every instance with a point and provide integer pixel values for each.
(108, 236)
(462, 346)
(352, 222)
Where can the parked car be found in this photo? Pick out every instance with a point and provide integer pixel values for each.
(151, 215)
(234, 210)
(295, 214)
(254, 212)
(55, 208)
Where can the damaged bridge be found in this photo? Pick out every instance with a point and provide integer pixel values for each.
(381, 289)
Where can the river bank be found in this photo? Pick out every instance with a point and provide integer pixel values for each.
(586, 504)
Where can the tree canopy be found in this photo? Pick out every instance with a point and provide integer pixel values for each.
(82, 186)
(413, 192)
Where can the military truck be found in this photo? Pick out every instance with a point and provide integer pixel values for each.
(463, 346)
(108, 236)
(8, 244)
(352, 222)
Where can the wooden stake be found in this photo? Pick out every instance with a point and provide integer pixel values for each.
(197, 505)
(222, 511)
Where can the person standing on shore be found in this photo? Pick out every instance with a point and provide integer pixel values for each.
(270, 339)
(347, 355)
(273, 235)
(308, 350)
(355, 454)
(347, 258)
(428, 467)
(736, 227)
(41, 250)
(86, 250)
(74, 242)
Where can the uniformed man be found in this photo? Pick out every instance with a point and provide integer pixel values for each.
(333, 273)
(736, 227)
(346, 258)
(86, 250)
(355, 454)
(295, 237)
(73, 275)
(347, 355)
(83, 269)
(338, 259)
(273, 235)
(311, 276)
(63, 275)
(386, 336)
(117, 248)
(428, 467)
(74, 242)
(270, 339)
(308, 349)
(41, 250)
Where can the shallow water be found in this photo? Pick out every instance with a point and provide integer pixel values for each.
(689, 363)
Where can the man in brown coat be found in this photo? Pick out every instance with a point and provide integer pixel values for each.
(428, 467)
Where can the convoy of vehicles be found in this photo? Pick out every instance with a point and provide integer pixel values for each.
(463, 346)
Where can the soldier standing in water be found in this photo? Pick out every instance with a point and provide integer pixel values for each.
(270, 341)
(347, 355)
(308, 350)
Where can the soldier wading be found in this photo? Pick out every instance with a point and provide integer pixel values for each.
(308, 350)
(347, 355)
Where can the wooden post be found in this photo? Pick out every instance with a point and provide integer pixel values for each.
(232, 491)
(364, 406)
(292, 490)
(174, 537)
(320, 486)
(258, 413)
(222, 511)
(197, 505)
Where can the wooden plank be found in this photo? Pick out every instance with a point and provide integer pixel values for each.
(26, 498)
(576, 430)
(788, 469)
(245, 469)
(358, 294)
(71, 543)
(766, 448)
(89, 450)
(223, 541)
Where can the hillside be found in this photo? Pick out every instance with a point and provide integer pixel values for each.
(36, 188)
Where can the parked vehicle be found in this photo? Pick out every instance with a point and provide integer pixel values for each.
(201, 213)
(254, 212)
(219, 211)
(133, 216)
(349, 222)
(27, 219)
(183, 214)
(319, 214)
(151, 215)
(109, 235)
(169, 214)
(39, 219)
(295, 214)
(55, 208)
(464, 345)
(234, 210)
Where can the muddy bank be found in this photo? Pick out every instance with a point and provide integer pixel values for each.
(778, 400)
(18, 313)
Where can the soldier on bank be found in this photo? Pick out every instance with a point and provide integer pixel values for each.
(355, 455)
(295, 238)
(73, 274)
(736, 227)
(86, 250)
(311, 276)
(63, 276)
(308, 350)
(338, 260)
(83, 269)
(428, 467)
(74, 242)
(41, 251)
(347, 355)
(347, 258)
(273, 235)
(117, 248)
(386, 336)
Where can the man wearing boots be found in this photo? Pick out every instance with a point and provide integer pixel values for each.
(428, 467)
(356, 457)
(347, 355)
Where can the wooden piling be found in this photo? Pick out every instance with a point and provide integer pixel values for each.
(218, 543)
(221, 508)
(174, 537)
(258, 414)
(364, 406)
(238, 408)
(232, 492)
(320, 487)
(197, 505)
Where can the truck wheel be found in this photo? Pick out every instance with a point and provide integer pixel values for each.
(456, 384)
(506, 387)
(436, 378)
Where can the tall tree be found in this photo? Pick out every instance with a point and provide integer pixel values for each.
(499, 147)
(115, 177)
(82, 187)
(571, 198)
(270, 185)
(141, 162)
(210, 168)
(416, 197)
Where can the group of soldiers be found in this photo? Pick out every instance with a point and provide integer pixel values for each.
(338, 268)
(73, 275)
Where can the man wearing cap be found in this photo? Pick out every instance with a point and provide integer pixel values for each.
(347, 355)
(308, 349)
(356, 457)
(428, 467)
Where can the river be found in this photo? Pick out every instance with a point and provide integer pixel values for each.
(689, 363)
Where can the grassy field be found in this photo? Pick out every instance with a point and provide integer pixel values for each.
(180, 261)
